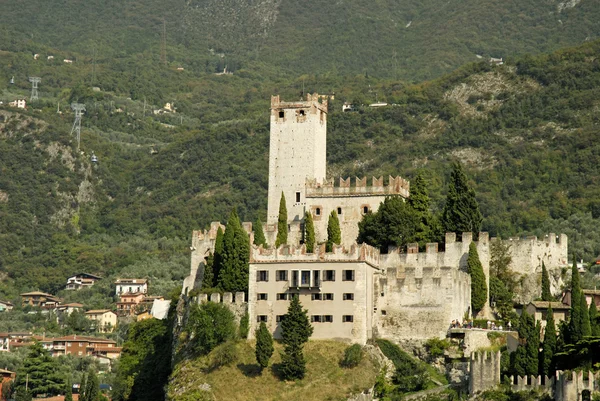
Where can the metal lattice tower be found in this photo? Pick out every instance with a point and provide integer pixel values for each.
(34, 87)
(78, 108)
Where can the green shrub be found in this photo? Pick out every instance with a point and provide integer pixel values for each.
(436, 347)
(244, 326)
(352, 356)
(225, 354)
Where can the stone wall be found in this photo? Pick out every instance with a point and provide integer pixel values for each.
(235, 302)
(203, 242)
(564, 386)
(484, 371)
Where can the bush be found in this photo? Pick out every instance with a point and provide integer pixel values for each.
(352, 356)
(244, 326)
(225, 354)
(436, 347)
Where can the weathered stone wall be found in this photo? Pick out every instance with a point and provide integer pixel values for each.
(203, 242)
(564, 386)
(484, 371)
(235, 302)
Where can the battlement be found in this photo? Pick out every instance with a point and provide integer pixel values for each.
(313, 101)
(203, 236)
(484, 371)
(395, 186)
(227, 298)
(549, 239)
(292, 254)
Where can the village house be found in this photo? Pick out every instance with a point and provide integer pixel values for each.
(69, 308)
(539, 309)
(131, 285)
(103, 320)
(81, 280)
(6, 376)
(128, 304)
(85, 346)
(5, 306)
(39, 299)
(148, 301)
(589, 296)
(18, 103)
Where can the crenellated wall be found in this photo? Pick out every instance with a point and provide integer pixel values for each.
(236, 303)
(564, 386)
(395, 186)
(203, 242)
(484, 371)
(298, 254)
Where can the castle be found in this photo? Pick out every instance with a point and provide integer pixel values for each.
(354, 293)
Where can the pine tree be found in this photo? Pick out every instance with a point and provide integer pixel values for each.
(586, 329)
(259, 234)
(282, 226)
(309, 230)
(208, 277)
(233, 275)
(217, 263)
(419, 201)
(334, 234)
(461, 211)
(295, 331)
(546, 294)
(264, 345)
(478, 283)
(549, 347)
(594, 319)
(575, 312)
(41, 371)
(68, 390)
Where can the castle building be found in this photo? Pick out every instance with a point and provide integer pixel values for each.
(353, 293)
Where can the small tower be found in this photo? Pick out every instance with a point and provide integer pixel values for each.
(297, 152)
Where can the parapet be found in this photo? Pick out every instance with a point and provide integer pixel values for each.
(227, 298)
(312, 101)
(549, 239)
(289, 253)
(395, 186)
(204, 235)
(484, 371)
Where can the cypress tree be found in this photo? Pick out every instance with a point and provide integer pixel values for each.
(259, 234)
(575, 312)
(264, 345)
(334, 234)
(586, 329)
(478, 283)
(217, 263)
(209, 277)
(546, 294)
(68, 390)
(520, 362)
(282, 226)
(594, 319)
(419, 202)
(92, 387)
(549, 347)
(533, 347)
(295, 331)
(236, 252)
(309, 230)
(461, 211)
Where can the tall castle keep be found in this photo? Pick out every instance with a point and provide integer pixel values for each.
(354, 292)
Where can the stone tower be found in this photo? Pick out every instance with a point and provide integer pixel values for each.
(297, 152)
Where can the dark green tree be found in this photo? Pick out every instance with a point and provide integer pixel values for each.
(309, 232)
(264, 345)
(394, 224)
(549, 346)
(68, 389)
(425, 229)
(575, 325)
(23, 395)
(217, 263)
(479, 290)
(546, 294)
(208, 277)
(259, 234)
(586, 329)
(234, 272)
(522, 362)
(594, 319)
(295, 332)
(461, 211)
(211, 324)
(533, 348)
(334, 234)
(92, 387)
(282, 225)
(41, 371)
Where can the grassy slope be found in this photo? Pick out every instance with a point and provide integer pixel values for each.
(325, 379)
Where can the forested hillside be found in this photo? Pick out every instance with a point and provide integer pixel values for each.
(410, 40)
(525, 131)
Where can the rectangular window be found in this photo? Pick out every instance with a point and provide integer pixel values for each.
(281, 114)
(262, 296)
(261, 318)
(279, 318)
(281, 275)
(328, 275)
(328, 297)
(295, 278)
(347, 275)
(297, 197)
(347, 318)
(316, 297)
(262, 275)
(305, 277)
(282, 297)
(348, 296)
(316, 278)
(328, 318)
(316, 319)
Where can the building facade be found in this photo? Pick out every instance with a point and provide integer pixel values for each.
(103, 320)
(131, 285)
(81, 280)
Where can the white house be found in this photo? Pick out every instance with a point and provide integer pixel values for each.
(131, 285)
